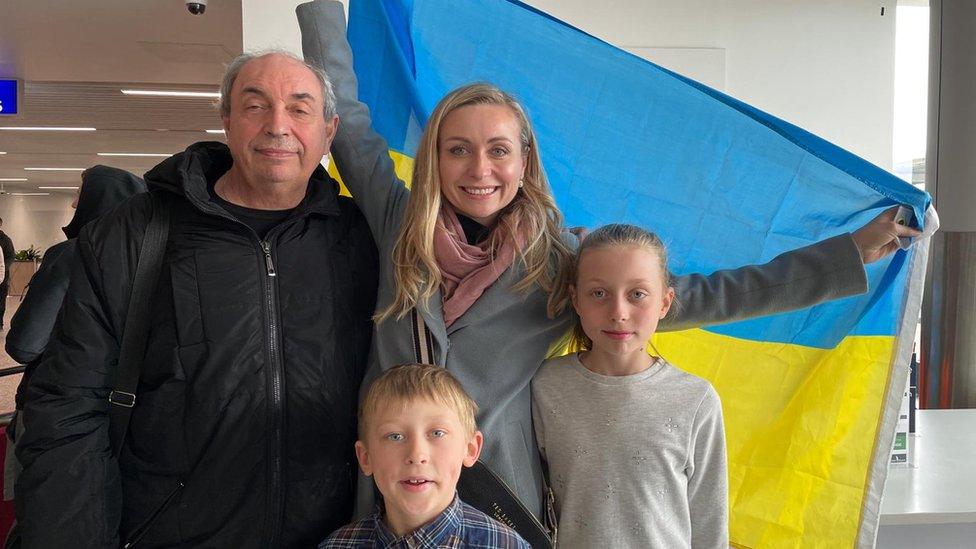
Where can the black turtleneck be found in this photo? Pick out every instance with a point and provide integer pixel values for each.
(261, 221)
(475, 233)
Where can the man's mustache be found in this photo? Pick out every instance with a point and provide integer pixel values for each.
(279, 144)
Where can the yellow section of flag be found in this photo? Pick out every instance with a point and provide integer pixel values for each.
(402, 164)
(801, 425)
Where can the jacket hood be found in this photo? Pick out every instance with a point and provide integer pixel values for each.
(102, 189)
(190, 173)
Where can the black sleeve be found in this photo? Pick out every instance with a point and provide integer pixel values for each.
(8, 249)
(69, 494)
(33, 322)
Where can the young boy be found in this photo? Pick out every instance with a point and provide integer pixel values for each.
(416, 430)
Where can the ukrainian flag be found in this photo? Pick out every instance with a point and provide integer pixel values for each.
(810, 397)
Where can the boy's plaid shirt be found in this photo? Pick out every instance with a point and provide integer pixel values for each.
(460, 525)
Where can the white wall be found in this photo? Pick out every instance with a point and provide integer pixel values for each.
(36, 220)
(826, 66)
(271, 25)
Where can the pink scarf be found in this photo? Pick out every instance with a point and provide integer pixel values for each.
(466, 270)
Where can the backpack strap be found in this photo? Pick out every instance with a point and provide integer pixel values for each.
(124, 378)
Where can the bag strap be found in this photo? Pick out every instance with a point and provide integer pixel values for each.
(124, 379)
(550, 520)
(491, 484)
(423, 342)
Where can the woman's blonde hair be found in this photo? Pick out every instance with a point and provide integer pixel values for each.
(532, 212)
(609, 236)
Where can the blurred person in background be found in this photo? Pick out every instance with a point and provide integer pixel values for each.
(9, 252)
(102, 189)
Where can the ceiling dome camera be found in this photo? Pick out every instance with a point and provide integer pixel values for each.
(196, 7)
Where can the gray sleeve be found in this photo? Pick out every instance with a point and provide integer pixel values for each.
(361, 154)
(801, 278)
(707, 471)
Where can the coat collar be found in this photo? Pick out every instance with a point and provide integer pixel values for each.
(497, 297)
(190, 173)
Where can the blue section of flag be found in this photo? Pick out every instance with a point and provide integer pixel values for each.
(388, 65)
(625, 140)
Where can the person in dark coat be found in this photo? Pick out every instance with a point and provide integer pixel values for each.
(102, 189)
(244, 420)
(7, 246)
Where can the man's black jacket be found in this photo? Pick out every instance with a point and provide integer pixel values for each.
(243, 429)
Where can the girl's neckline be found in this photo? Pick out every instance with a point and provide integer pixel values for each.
(657, 363)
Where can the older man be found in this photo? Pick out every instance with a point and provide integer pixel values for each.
(244, 420)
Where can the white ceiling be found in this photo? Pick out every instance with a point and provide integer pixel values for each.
(74, 57)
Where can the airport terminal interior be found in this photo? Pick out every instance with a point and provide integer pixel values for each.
(127, 84)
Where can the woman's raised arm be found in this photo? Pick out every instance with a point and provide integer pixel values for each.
(361, 154)
(830, 269)
(793, 280)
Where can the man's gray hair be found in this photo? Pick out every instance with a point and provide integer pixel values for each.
(235, 66)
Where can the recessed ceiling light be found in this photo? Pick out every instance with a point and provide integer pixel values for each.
(30, 194)
(55, 169)
(160, 155)
(58, 188)
(171, 93)
(214, 131)
(13, 179)
(1, 152)
(46, 129)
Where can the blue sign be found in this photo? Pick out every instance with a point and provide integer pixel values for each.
(8, 96)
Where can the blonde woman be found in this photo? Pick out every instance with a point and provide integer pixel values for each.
(478, 248)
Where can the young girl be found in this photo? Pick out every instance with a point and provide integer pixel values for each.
(635, 446)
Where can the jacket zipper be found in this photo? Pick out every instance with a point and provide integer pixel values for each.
(269, 263)
(277, 438)
(276, 497)
(276, 507)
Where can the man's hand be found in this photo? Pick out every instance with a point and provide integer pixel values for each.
(880, 236)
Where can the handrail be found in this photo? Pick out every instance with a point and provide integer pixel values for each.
(12, 370)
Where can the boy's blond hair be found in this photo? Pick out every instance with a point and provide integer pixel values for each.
(408, 382)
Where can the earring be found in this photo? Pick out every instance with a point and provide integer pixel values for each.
(521, 182)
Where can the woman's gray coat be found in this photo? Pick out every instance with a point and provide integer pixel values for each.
(496, 347)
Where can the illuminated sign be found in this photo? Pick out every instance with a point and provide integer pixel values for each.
(8, 97)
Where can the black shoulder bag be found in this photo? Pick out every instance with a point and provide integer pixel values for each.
(482, 488)
(124, 379)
